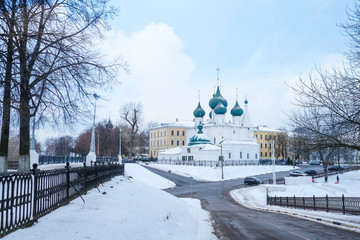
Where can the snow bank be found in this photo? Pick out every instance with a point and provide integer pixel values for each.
(141, 174)
(124, 208)
(214, 173)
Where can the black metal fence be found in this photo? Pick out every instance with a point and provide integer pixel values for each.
(333, 204)
(27, 196)
(208, 163)
(60, 159)
(64, 159)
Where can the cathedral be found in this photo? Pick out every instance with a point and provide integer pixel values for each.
(216, 139)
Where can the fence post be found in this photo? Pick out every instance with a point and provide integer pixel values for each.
(343, 203)
(304, 203)
(67, 182)
(314, 203)
(85, 178)
(96, 174)
(35, 170)
(327, 203)
(287, 201)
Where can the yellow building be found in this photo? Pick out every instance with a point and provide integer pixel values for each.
(168, 135)
(265, 137)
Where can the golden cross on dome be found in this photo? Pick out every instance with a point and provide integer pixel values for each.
(199, 94)
(236, 94)
(218, 73)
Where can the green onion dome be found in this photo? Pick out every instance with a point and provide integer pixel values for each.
(199, 138)
(220, 109)
(246, 101)
(199, 112)
(109, 125)
(210, 114)
(217, 97)
(237, 110)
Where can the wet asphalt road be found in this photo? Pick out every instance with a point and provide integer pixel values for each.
(232, 221)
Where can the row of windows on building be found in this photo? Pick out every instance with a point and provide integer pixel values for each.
(265, 154)
(267, 137)
(163, 143)
(160, 133)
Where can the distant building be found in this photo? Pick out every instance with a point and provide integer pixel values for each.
(214, 138)
(266, 137)
(168, 135)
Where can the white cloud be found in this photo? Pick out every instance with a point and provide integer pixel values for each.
(159, 73)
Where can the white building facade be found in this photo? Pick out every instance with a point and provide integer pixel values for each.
(217, 139)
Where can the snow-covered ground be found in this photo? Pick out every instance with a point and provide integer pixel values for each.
(134, 207)
(214, 173)
(125, 208)
(255, 197)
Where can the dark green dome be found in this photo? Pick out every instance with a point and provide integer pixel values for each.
(246, 101)
(210, 114)
(220, 109)
(199, 138)
(237, 110)
(109, 125)
(217, 97)
(199, 112)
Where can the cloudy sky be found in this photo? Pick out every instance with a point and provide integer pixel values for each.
(173, 49)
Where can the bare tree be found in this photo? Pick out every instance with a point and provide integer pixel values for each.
(328, 101)
(7, 18)
(61, 146)
(106, 141)
(131, 113)
(281, 146)
(56, 67)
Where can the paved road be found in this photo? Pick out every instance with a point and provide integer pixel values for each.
(233, 221)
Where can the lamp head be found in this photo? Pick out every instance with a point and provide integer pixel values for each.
(96, 96)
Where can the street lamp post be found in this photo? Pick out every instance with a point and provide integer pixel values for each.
(92, 155)
(222, 162)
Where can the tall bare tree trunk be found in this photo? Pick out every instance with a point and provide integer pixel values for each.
(24, 149)
(5, 127)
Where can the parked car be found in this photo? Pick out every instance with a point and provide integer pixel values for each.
(296, 173)
(335, 168)
(313, 162)
(252, 181)
(298, 161)
(310, 172)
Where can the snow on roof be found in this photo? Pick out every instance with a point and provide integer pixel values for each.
(266, 129)
(210, 147)
(240, 142)
(185, 124)
(175, 150)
